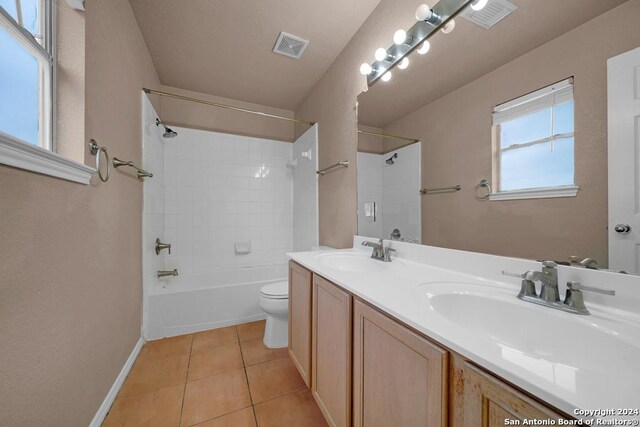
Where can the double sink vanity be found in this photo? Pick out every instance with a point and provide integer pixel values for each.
(439, 337)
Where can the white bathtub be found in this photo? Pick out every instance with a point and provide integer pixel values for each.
(205, 301)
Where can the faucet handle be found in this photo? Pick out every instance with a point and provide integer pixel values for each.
(387, 254)
(527, 275)
(577, 286)
(549, 264)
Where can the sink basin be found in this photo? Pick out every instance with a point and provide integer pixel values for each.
(355, 262)
(536, 338)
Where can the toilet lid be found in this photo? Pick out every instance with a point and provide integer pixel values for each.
(277, 290)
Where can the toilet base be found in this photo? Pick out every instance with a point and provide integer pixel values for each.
(276, 331)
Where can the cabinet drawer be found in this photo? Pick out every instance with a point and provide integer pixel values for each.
(488, 401)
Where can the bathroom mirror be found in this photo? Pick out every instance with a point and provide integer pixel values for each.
(515, 126)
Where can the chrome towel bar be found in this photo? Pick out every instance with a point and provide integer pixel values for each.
(451, 189)
(141, 172)
(344, 164)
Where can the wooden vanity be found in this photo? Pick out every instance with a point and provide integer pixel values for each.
(365, 368)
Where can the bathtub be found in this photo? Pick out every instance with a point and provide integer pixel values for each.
(197, 302)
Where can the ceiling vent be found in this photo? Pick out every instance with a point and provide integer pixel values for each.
(290, 46)
(494, 12)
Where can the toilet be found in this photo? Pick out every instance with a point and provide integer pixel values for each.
(274, 301)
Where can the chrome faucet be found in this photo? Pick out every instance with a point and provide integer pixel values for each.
(379, 251)
(586, 262)
(549, 296)
(165, 273)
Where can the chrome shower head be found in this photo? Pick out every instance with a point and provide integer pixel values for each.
(168, 132)
(390, 161)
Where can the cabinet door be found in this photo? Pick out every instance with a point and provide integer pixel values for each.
(331, 355)
(400, 378)
(300, 319)
(488, 402)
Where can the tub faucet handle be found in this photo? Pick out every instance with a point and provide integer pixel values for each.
(160, 246)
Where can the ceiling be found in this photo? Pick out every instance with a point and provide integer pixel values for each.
(469, 52)
(224, 47)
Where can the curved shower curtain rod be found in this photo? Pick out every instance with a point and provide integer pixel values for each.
(228, 107)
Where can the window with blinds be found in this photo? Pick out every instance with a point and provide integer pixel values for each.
(534, 140)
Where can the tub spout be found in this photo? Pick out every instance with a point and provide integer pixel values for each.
(165, 273)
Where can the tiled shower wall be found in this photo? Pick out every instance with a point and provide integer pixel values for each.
(305, 191)
(369, 191)
(222, 190)
(153, 210)
(395, 189)
(401, 193)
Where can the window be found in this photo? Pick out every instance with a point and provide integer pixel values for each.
(26, 71)
(533, 144)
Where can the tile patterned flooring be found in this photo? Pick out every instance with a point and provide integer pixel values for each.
(219, 378)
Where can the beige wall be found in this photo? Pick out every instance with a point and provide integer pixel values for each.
(456, 135)
(370, 143)
(200, 116)
(70, 292)
(70, 76)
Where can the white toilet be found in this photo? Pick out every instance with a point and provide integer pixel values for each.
(274, 300)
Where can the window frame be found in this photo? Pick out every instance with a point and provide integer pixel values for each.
(41, 158)
(569, 190)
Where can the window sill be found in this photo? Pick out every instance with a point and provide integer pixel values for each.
(536, 193)
(35, 159)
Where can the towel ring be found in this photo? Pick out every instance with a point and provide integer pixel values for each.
(483, 183)
(96, 150)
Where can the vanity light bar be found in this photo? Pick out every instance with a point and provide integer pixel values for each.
(443, 12)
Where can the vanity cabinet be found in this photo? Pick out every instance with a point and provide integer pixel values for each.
(331, 351)
(367, 369)
(487, 401)
(300, 291)
(399, 377)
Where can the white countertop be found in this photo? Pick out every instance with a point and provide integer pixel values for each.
(584, 375)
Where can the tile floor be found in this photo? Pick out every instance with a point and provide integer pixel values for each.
(216, 378)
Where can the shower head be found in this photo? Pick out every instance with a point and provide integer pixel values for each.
(168, 132)
(390, 161)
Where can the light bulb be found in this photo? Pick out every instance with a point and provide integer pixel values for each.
(403, 64)
(381, 54)
(399, 37)
(448, 27)
(386, 76)
(365, 69)
(423, 12)
(424, 47)
(479, 4)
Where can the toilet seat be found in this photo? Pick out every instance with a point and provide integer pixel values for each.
(278, 290)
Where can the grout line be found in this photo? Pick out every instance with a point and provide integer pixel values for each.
(244, 365)
(246, 378)
(220, 416)
(184, 391)
(281, 395)
(255, 417)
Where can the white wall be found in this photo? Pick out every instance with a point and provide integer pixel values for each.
(153, 209)
(395, 189)
(369, 190)
(221, 189)
(305, 191)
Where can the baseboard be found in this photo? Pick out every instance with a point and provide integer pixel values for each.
(159, 332)
(115, 388)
